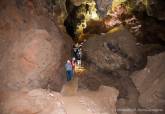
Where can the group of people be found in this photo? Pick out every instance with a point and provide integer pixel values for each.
(76, 61)
(69, 66)
(77, 53)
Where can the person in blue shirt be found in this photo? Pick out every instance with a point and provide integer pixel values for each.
(69, 70)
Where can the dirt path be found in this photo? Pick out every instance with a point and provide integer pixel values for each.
(77, 101)
(70, 88)
(73, 106)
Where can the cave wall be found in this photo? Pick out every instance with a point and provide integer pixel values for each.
(32, 47)
(150, 83)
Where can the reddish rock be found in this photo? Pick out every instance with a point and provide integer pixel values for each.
(33, 49)
(31, 102)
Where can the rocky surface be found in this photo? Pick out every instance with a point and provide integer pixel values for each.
(30, 102)
(149, 12)
(103, 6)
(57, 11)
(128, 94)
(42, 101)
(114, 51)
(77, 2)
(150, 83)
(110, 59)
(33, 50)
(103, 101)
(154, 8)
(32, 47)
(154, 34)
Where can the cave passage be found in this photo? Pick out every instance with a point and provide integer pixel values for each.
(120, 15)
(115, 50)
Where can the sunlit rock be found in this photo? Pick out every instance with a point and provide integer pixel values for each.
(113, 51)
(130, 5)
(78, 18)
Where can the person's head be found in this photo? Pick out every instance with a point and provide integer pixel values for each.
(76, 45)
(73, 58)
(68, 61)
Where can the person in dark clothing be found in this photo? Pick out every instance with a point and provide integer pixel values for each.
(73, 52)
(79, 56)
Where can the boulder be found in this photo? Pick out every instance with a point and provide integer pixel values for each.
(32, 50)
(150, 83)
(34, 101)
(114, 51)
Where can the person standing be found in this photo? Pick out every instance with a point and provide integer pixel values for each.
(73, 52)
(69, 70)
(73, 62)
(73, 65)
(79, 56)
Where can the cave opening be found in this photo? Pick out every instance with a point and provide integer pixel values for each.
(78, 18)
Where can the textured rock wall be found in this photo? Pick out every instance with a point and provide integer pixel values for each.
(151, 82)
(32, 47)
(154, 8)
(114, 51)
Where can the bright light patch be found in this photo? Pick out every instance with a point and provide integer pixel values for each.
(79, 69)
(90, 14)
(94, 16)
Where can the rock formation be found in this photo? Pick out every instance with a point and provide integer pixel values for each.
(123, 57)
(32, 47)
(150, 83)
(114, 51)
